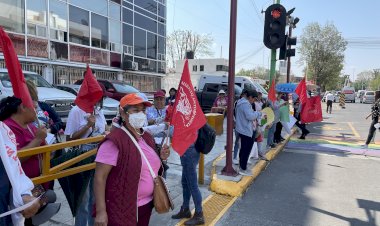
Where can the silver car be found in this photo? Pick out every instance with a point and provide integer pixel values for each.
(110, 106)
(368, 97)
(59, 100)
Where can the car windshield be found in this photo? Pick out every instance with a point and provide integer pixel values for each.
(370, 93)
(123, 88)
(38, 80)
(259, 88)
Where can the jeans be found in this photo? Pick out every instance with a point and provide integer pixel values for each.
(236, 147)
(189, 162)
(84, 212)
(245, 149)
(270, 138)
(372, 130)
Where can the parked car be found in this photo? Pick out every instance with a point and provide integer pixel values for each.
(61, 101)
(210, 91)
(349, 93)
(116, 89)
(368, 97)
(110, 106)
(336, 97)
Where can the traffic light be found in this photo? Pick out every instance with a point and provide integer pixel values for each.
(285, 51)
(274, 27)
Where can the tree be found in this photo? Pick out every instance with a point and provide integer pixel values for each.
(181, 41)
(258, 72)
(322, 50)
(364, 79)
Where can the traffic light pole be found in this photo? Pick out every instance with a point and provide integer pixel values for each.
(273, 58)
(288, 47)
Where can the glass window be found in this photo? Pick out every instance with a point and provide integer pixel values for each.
(201, 68)
(149, 5)
(128, 5)
(211, 87)
(161, 29)
(151, 45)
(161, 10)
(140, 42)
(195, 68)
(115, 11)
(127, 35)
(98, 6)
(79, 26)
(161, 45)
(115, 37)
(36, 12)
(117, 1)
(12, 15)
(145, 23)
(58, 15)
(99, 31)
(58, 51)
(127, 16)
(146, 13)
(58, 35)
(123, 88)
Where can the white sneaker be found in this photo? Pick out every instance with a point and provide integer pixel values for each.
(365, 146)
(245, 172)
(235, 161)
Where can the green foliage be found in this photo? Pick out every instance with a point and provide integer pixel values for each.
(322, 50)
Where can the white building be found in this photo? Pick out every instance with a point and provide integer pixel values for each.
(197, 67)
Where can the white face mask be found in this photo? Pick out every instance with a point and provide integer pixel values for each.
(137, 120)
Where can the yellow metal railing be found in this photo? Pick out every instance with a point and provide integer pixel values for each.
(61, 170)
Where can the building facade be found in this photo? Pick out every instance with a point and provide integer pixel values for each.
(120, 39)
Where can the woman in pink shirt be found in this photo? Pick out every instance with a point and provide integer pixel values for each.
(123, 183)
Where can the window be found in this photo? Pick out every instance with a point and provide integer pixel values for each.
(149, 5)
(58, 20)
(161, 29)
(151, 45)
(127, 35)
(58, 51)
(161, 45)
(115, 11)
(161, 10)
(140, 42)
(79, 26)
(97, 6)
(210, 87)
(195, 67)
(127, 16)
(115, 37)
(12, 15)
(99, 31)
(145, 23)
(36, 17)
(201, 68)
(221, 68)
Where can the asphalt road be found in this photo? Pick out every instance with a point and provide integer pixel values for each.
(306, 186)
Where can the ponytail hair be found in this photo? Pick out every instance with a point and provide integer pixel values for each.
(8, 107)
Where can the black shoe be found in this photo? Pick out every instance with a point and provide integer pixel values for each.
(183, 213)
(282, 139)
(302, 137)
(272, 145)
(197, 219)
(307, 132)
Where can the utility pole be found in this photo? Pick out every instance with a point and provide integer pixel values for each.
(228, 169)
(273, 57)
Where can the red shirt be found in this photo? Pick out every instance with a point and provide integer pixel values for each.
(23, 137)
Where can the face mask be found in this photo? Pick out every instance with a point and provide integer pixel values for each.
(137, 120)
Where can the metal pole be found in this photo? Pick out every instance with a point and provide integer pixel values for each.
(273, 58)
(228, 169)
(288, 47)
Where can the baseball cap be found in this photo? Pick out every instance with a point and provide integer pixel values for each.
(159, 93)
(134, 99)
(222, 92)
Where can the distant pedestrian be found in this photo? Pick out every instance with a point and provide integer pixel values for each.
(172, 95)
(375, 112)
(329, 99)
(245, 117)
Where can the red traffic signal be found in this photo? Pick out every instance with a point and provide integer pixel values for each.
(274, 27)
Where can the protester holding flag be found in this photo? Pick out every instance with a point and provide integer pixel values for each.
(245, 118)
(123, 183)
(86, 119)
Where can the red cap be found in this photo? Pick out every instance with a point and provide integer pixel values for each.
(159, 93)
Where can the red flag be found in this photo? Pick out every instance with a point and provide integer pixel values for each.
(20, 90)
(89, 93)
(187, 116)
(312, 110)
(301, 91)
(272, 92)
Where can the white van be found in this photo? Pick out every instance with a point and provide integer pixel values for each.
(349, 93)
(241, 81)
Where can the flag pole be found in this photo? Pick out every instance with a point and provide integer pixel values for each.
(228, 170)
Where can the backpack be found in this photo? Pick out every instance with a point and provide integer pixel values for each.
(206, 139)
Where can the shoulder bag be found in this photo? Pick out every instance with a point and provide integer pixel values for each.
(161, 195)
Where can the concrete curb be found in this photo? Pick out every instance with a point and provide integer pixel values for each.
(235, 189)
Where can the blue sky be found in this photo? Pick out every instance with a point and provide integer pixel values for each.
(354, 19)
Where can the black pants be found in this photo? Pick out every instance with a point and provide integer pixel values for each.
(302, 126)
(277, 134)
(246, 144)
(329, 105)
(372, 130)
